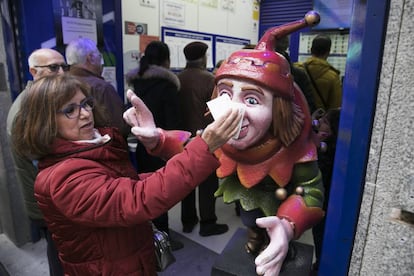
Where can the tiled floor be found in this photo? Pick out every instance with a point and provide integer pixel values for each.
(31, 260)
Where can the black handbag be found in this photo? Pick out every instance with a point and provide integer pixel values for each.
(163, 251)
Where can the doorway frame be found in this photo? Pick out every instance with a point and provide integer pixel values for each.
(360, 88)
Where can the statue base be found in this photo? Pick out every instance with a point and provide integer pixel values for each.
(235, 261)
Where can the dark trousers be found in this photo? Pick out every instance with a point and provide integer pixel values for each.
(318, 232)
(206, 200)
(161, 223)
(248, 218)
(55, 267)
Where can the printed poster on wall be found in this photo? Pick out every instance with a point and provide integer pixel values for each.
(219, 47)
(135, 28)
(173, 14)
(225, 46)
(78, 18)
(144, 40)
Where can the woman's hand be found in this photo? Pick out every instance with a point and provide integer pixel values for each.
(280, 231)
(140, 118)
(221, 130)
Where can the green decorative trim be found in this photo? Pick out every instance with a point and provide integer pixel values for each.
(262, 196)
(313, 191)
(231, 190)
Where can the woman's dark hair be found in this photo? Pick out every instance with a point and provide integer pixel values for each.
(35, 126)
(156, 53)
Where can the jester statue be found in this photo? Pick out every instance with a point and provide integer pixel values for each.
(270, 170)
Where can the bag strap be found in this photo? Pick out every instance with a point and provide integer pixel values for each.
(305, 65)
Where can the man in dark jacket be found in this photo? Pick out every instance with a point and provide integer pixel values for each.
(85, 62)
(196, 88)
(325, 79)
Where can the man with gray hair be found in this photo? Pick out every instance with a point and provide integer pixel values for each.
(42, 62)
(85, 62)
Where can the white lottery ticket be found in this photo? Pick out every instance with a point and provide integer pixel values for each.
(219, 106)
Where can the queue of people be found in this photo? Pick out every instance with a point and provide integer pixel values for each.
(96, 207)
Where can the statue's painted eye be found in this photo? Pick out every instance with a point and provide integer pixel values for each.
(252, 101)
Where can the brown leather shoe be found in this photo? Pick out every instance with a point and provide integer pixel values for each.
(257, 240)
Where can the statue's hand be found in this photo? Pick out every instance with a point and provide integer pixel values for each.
(270, 261)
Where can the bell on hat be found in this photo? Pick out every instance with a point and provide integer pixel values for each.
(263, 65)
(195, 50)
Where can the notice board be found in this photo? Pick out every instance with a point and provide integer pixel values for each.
(219, 46)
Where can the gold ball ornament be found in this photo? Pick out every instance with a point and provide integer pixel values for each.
(299, 190)
(312, 18)
(281, 193)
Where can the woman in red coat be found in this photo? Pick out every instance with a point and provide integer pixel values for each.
(96, 207)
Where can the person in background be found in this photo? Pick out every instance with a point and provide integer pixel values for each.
(328, 133)
(85, 62)
(325, 79)
(299, 75)
(42, 62)
(95, 204)
(197, 85)
(249, 46)
(217, 66)
(158, 87)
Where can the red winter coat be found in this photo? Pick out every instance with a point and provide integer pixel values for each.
(98, 209)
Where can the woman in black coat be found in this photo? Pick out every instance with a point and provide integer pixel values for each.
(158, 87)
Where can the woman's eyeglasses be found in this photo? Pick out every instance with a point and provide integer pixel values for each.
(55, 67)
(72, 111)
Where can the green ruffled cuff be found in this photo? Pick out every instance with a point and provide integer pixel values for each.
(262, 196)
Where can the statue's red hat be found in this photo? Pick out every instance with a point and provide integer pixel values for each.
(263, 65)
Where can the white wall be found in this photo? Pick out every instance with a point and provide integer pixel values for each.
(230, 18)
(220, 17)
(384, 242)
